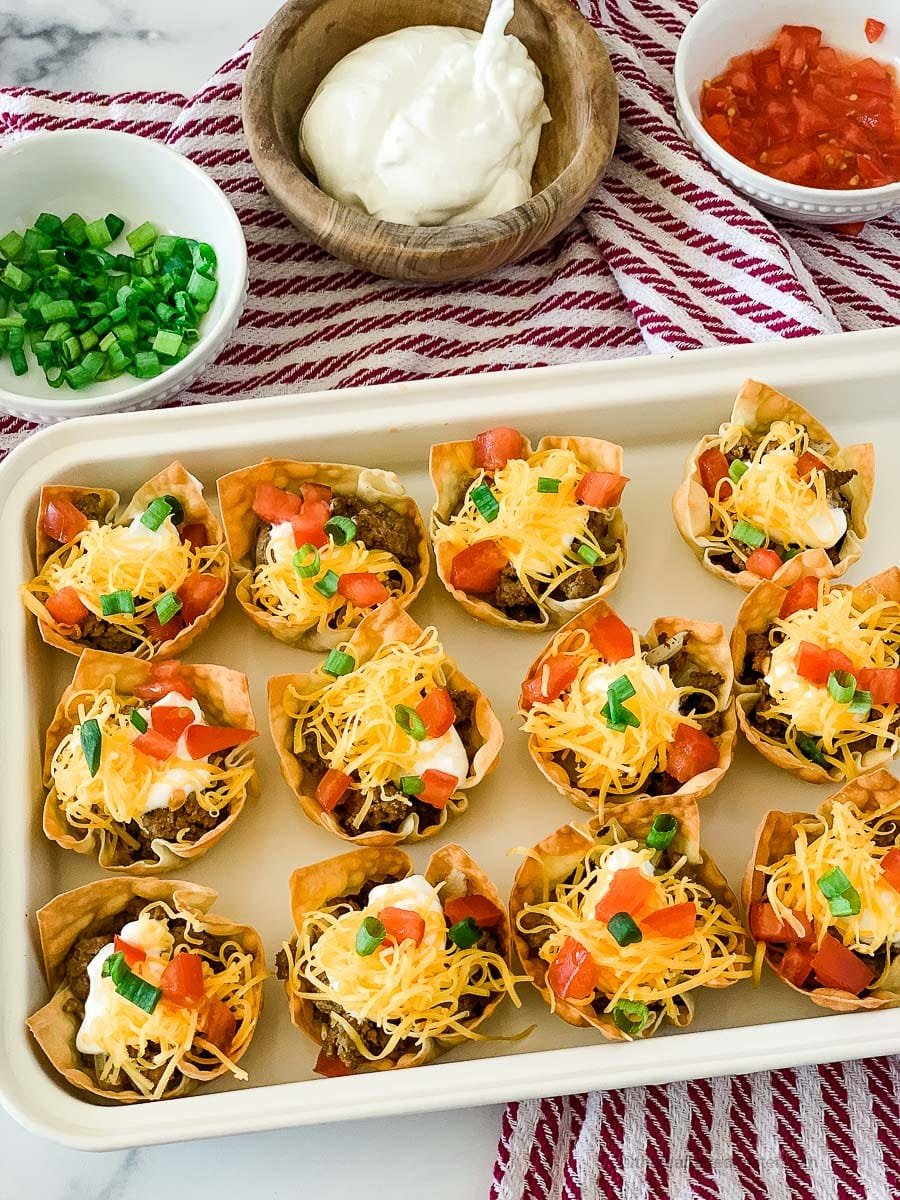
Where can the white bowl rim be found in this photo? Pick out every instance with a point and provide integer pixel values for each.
(133, 394)
(843, 197)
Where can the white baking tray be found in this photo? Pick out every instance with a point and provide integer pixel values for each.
(657, 408)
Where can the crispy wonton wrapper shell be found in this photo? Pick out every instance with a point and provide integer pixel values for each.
(560, 854)
(320, 883)
(757, 613)
(708, 645)
(775, 839)
(388, 623)
(236, 491)
(757, 407)
(175, 481)
(452, 466)
(224, 696)
(68, 917)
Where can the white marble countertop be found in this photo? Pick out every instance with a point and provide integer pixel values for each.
(110, 45)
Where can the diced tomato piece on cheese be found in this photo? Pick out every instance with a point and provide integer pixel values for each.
(330, 1066)
(403, 924)
(673, 921)
(320, 492)
(691, 753)
(807, 463)
(154, 745)
(612, 638)
(874, 29)
(882, 682)
(764, 563)
(477, 568)
(573, 973)
(132, 954)
(815, 664)
(553, 677)
(171, 720)
(600, 489)
(437, 712)
(483, 912)
(766, 926)
(195, 535)
(331, 788)
(796, 964)
(439, 787)
(890, 867)
(203, 740)
(628, 892)
(274, 505)
(162, 633)
(217, 1022)
(62, 521)
(495, 447)
(182, 980)
(837, 967)
(66, 608)
(362, 588)
(165, 677)
(309, 525)
(197, 595)
(802, 594)
(713, 467)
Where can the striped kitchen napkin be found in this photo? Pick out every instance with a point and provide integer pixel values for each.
(665, 257)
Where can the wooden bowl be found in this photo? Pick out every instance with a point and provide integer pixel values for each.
(305, 39)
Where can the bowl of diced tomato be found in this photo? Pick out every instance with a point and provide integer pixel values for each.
(796, 103)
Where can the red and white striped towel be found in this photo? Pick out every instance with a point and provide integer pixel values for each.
(665, 257)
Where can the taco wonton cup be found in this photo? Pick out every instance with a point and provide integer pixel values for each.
(191, 567)
(389, 541)
(876, 800)
(321, 885)
(127, 847)
(756, 409)
(97, 911)
(700, 677)
(558, 860)
(859, 746)
(565, 583)
(308, 763)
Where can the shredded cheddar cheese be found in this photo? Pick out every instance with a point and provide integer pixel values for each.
(540, 532)
(655, 971)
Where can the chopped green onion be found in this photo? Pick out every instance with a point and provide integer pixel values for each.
(177, 508)
(750, 535)
(49, 224)
(138, 721)
(167, 607)
(338, 663)
(833, 883)
(327, 585)
(848, 904)
(98, 234)
(662, 832)
(622, 688)
(74, 227)
(547, 483)
(113, 603)
(156, 512)
(465, 933)
(91, 744)
(485, 501)
(588, 554)
(841, 686)
(412, 785)
(200, 289)
(369, 936)
(341, 530)
(13, 277)
(619, 718)
(624, 929)
(307, 561)
(58, 310)
(861, 704)
(737, 470)
(130, 986)
(18, 362)
(12, 245)
(167, 342)
(147, 364)
(410, 721)
(809, 748)
(631, 1016)
(141, 238)
(114, 224)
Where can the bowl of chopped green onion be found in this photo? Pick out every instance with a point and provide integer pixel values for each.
(123, 273)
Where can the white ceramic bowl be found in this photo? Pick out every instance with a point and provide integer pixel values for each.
(722, 29)
(95, 172)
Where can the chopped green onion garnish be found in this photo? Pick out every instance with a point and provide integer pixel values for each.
(412, 785)
(113, 603)
(736, 470)
(130, 986)
(546, 483)
(91, 744)
(141, 238)
(485, 501)
(618, 717)
(749, 534)
(138, 721)
(177, 509)
(662, 831)
(167, 607)
(588, 554)
(809, 748)
(307, 561)
(98, 234)
(631, 1016)
(369, 936)
(861, 704)
(621, 688)
(848, 904)
(624, 929)
(338, 663)
(833, 883)
(327, 585)
(155, 513)
(410, 721)
(790, 552)
(841, 686)
(167, 342)
(465, 933)
(341, 530)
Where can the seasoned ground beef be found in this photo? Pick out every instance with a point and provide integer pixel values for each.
(379, 527)
(578, 586)
(385, 812)
(756, 657)
(90, 505)
(511, 598)
(167, 823)
(745, 448)
(102, 635)
(263, 537)
(687, 672)
(661, 784)
(766, 725)
(464, 708)
(77, 964)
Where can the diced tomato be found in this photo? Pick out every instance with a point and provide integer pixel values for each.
(309, 525)
(713, 467)
(182, 980)
(764, 562)
(320, 492)
(439, 787)
(477, 568)
(483, 912)
(882, 682)
(162, 633)
(154, 745)
(837, 967)
(197, 594)
(816, 664)
(553, 677)
(132, 954)
(62, 521)
(331, 788)
(612, 638)
(362, 588)
(402, 924)
(171, 720)
(796, 964)
(202, 740)
(628, 892)
(802, 594)
(890, 867)
(165, 677)
(274, 505)
(495, 447)
(330, 1066)
(765, 926)
(600, 489)
(66, 608)
(673, 921)
(691, 753)
(807, 463)
(573, 973)
(217, 1022)
(874, 29)
(437, 712)
(195, 536)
